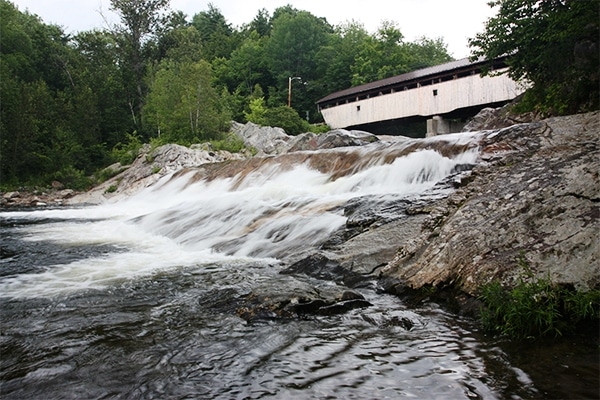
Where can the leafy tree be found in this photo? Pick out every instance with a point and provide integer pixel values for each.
(425, 52)
(246, 67)
(218, 38)
(261, 24)
(336, 58)
(99, 68)
(48, 114)
(286, 118)
(182, 106)
(257, 112)
(292, 51)
(140, 19)
(553, 44)
(387, 54)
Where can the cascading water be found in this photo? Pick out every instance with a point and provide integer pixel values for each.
(129, 299)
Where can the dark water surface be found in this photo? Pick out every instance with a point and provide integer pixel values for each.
(174, 334)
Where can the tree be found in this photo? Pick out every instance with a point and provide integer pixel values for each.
(292, 51)
(218, 39)
(261, 24)
(140, 19)
(336, 58)
(182, 106)
(99, 68)
(387, 54)
(553, 44)
(247, 66)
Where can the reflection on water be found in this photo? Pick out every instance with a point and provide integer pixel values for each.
(174, 335)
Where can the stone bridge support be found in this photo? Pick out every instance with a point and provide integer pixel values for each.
(437, 126)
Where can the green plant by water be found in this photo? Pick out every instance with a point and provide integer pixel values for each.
(536, 307)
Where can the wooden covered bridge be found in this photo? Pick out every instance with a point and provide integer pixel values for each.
(425, 102)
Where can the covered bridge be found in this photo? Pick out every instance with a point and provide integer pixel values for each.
(428, 101)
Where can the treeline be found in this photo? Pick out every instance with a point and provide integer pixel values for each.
(71, 104)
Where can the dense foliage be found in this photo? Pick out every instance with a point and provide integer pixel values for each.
(74, 103)
(551, 43)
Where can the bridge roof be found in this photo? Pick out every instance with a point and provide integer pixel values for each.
(421, 74)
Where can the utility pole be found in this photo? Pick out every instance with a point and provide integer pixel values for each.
(290, 79)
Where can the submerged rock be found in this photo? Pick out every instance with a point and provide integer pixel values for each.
(288, 297)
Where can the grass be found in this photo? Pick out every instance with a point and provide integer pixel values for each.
(535, 307)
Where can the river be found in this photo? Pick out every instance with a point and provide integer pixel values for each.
(137, 298)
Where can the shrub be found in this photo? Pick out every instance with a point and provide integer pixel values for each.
(229, 142)
(286, 118)
(125, 153)
(535, 307)
(73, 178)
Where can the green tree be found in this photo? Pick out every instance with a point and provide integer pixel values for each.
(140, 20)
(336, 58)
(48, 114)
(247, 66)
(218, 37)
(183, 106)
(550, 43)
(286, 118)
(100, 70)
(386, 54)
(261, 24)
(292, 51)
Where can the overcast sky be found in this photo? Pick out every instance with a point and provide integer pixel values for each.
(453, 20)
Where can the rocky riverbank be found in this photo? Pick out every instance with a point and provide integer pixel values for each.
(532, 198)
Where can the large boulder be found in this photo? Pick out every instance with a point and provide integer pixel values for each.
(532, 201)
(265, 140)
(268, 140)
(149, 166)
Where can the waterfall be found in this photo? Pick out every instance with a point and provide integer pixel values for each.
(260, 210)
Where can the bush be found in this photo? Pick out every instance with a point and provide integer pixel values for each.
(73, 178)
(230, 142)
(535, 307)
(125, 153)
(286, 118)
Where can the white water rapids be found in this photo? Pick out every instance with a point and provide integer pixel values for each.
(259, 215)
(144, 297)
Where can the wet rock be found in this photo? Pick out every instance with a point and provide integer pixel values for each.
(288, 297)
(11, 195)
(344, 138)
(149, 166)
(28, 199)
(535, 194)
(497, 118)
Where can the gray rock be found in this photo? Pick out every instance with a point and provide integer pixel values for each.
(149, 166)
(535, 198)
(274, 141)
(265, 139)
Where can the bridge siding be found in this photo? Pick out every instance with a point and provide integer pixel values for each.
(451, 95)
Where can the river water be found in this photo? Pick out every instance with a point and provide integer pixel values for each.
(136, 298)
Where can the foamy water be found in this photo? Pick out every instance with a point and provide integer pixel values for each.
(261, 216)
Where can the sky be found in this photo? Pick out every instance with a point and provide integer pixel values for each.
(453, 20)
